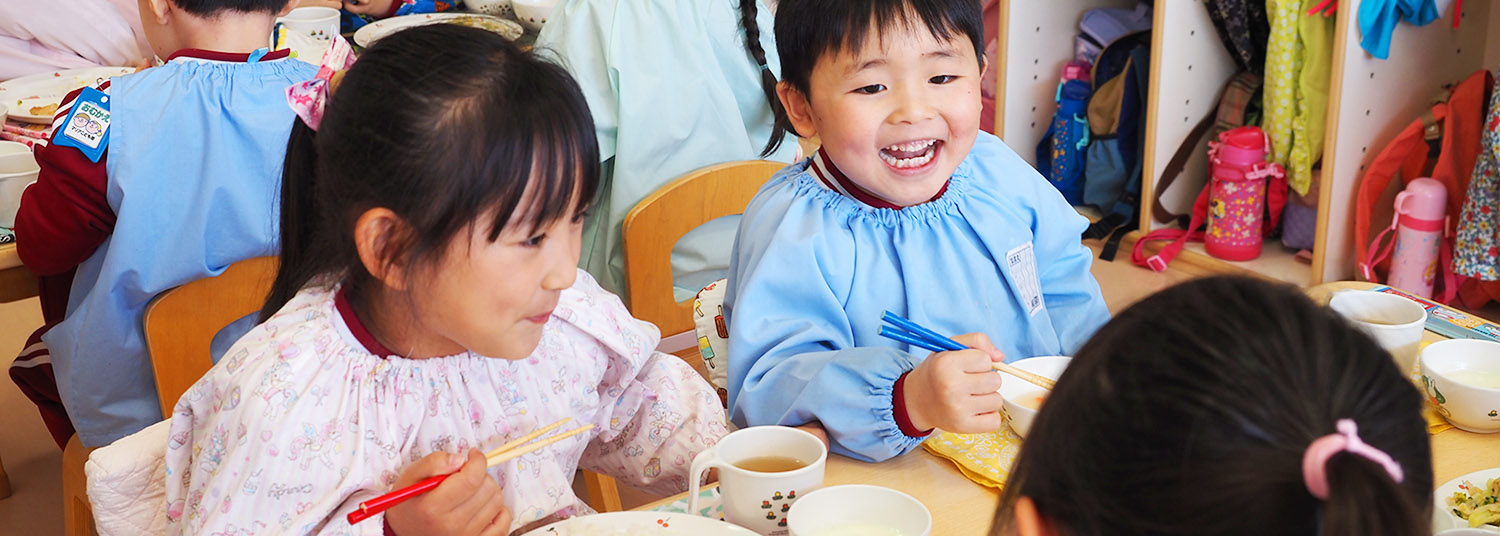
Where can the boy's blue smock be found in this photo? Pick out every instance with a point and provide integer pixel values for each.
(813, 270)
(194, 168)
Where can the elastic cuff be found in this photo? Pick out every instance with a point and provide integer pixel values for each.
(898, 409)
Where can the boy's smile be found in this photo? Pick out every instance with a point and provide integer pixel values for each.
(897, 115)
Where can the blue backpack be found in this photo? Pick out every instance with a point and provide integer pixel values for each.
(1117, 120)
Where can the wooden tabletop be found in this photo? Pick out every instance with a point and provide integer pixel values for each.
(16, 282)
(961, 507)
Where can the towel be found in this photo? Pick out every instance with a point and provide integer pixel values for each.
(984, 458)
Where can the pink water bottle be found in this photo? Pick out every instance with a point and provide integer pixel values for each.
(1237, 198)
(1420, 217)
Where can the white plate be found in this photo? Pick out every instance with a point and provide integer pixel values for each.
(24, 93)
(646, 523)
(377, 30)
(1442, 517)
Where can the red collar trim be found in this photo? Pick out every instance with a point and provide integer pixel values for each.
(357, 328)
(235, 57)
(835, 179)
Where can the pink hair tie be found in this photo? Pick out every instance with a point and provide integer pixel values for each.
(1315, 460)
(308, 98)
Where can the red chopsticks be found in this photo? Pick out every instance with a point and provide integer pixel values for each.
(495, 457)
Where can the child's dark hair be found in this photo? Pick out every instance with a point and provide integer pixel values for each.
(209, 8)
(748, 8)
(808, 30)
(441, 124)
(1191, 411)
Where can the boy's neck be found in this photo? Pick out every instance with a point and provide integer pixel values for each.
(231, 32)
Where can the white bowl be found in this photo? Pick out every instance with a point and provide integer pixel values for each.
(858, 509)
(533, 13)
(17, 171)
(498, 8)
(1014, 389)
(1454, 375)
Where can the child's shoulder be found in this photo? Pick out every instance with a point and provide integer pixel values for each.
(998, 176)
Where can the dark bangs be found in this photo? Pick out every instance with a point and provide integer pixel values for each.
(484, 121)
(443, 125)
(806, 30)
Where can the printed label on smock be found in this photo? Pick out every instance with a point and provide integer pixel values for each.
(87, 124)
(1022, 264)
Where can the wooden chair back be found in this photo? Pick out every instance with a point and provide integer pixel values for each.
(655, 225)
(181, 323)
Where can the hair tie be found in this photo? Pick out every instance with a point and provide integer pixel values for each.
(308, 98)
(1315, 460)
(765, 67)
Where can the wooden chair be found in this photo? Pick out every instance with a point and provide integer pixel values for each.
(180, 324)
(655, 225)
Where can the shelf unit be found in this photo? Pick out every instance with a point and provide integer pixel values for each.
(1370, 100)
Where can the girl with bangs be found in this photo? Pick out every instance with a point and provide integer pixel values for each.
(429, 308)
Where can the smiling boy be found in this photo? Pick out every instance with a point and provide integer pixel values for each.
(906, 208)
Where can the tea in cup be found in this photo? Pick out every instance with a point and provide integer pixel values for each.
(763, 470)
(320, 23)
(1393, 321)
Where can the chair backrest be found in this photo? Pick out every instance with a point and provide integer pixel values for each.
(653, 227)
(181, 323)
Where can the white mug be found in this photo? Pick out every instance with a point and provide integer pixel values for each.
(1393, 321)
(756, 500)
(17, 171)
(321, 23)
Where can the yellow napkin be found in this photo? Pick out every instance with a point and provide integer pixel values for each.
(984, 458)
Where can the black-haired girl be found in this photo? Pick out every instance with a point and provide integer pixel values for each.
(429, 307)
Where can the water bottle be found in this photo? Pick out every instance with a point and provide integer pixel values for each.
(1421, 210)
(1237, 197)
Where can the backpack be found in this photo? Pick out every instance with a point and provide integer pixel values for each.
(1117, 121)
(1442, 144)
(1477, 248)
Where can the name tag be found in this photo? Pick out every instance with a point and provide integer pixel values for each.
(87, 125)
(1022, 264)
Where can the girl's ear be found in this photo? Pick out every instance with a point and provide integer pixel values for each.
(1029, 521)
(377, 234)
(798, 110)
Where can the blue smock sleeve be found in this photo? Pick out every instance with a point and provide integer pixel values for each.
(792, 351)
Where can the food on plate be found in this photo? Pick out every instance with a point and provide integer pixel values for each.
(483, 23)
(44, 110)
(1477, 505)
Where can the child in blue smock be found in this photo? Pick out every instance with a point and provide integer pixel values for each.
(185, 184)
(906, 208)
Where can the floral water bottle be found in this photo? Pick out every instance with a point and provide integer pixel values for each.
(1237, 195)
(1419, 220)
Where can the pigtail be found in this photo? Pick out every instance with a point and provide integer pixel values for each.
(298, 208)
(748, 9)
(1364, 499)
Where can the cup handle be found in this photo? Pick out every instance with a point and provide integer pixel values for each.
(701, 463)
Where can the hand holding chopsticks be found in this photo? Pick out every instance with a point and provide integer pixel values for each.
(495, 457)
(911, 333)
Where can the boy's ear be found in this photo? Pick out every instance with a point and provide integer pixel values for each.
(287, 8)
(798, 110)
(377, 235)
(160, 10)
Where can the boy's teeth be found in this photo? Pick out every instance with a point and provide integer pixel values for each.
(910, 146)
(905, 163)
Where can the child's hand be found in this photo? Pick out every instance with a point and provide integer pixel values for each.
(468, 502)
(955, 391)
(377, 8)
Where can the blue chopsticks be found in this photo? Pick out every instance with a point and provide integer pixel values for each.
(910, 333)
